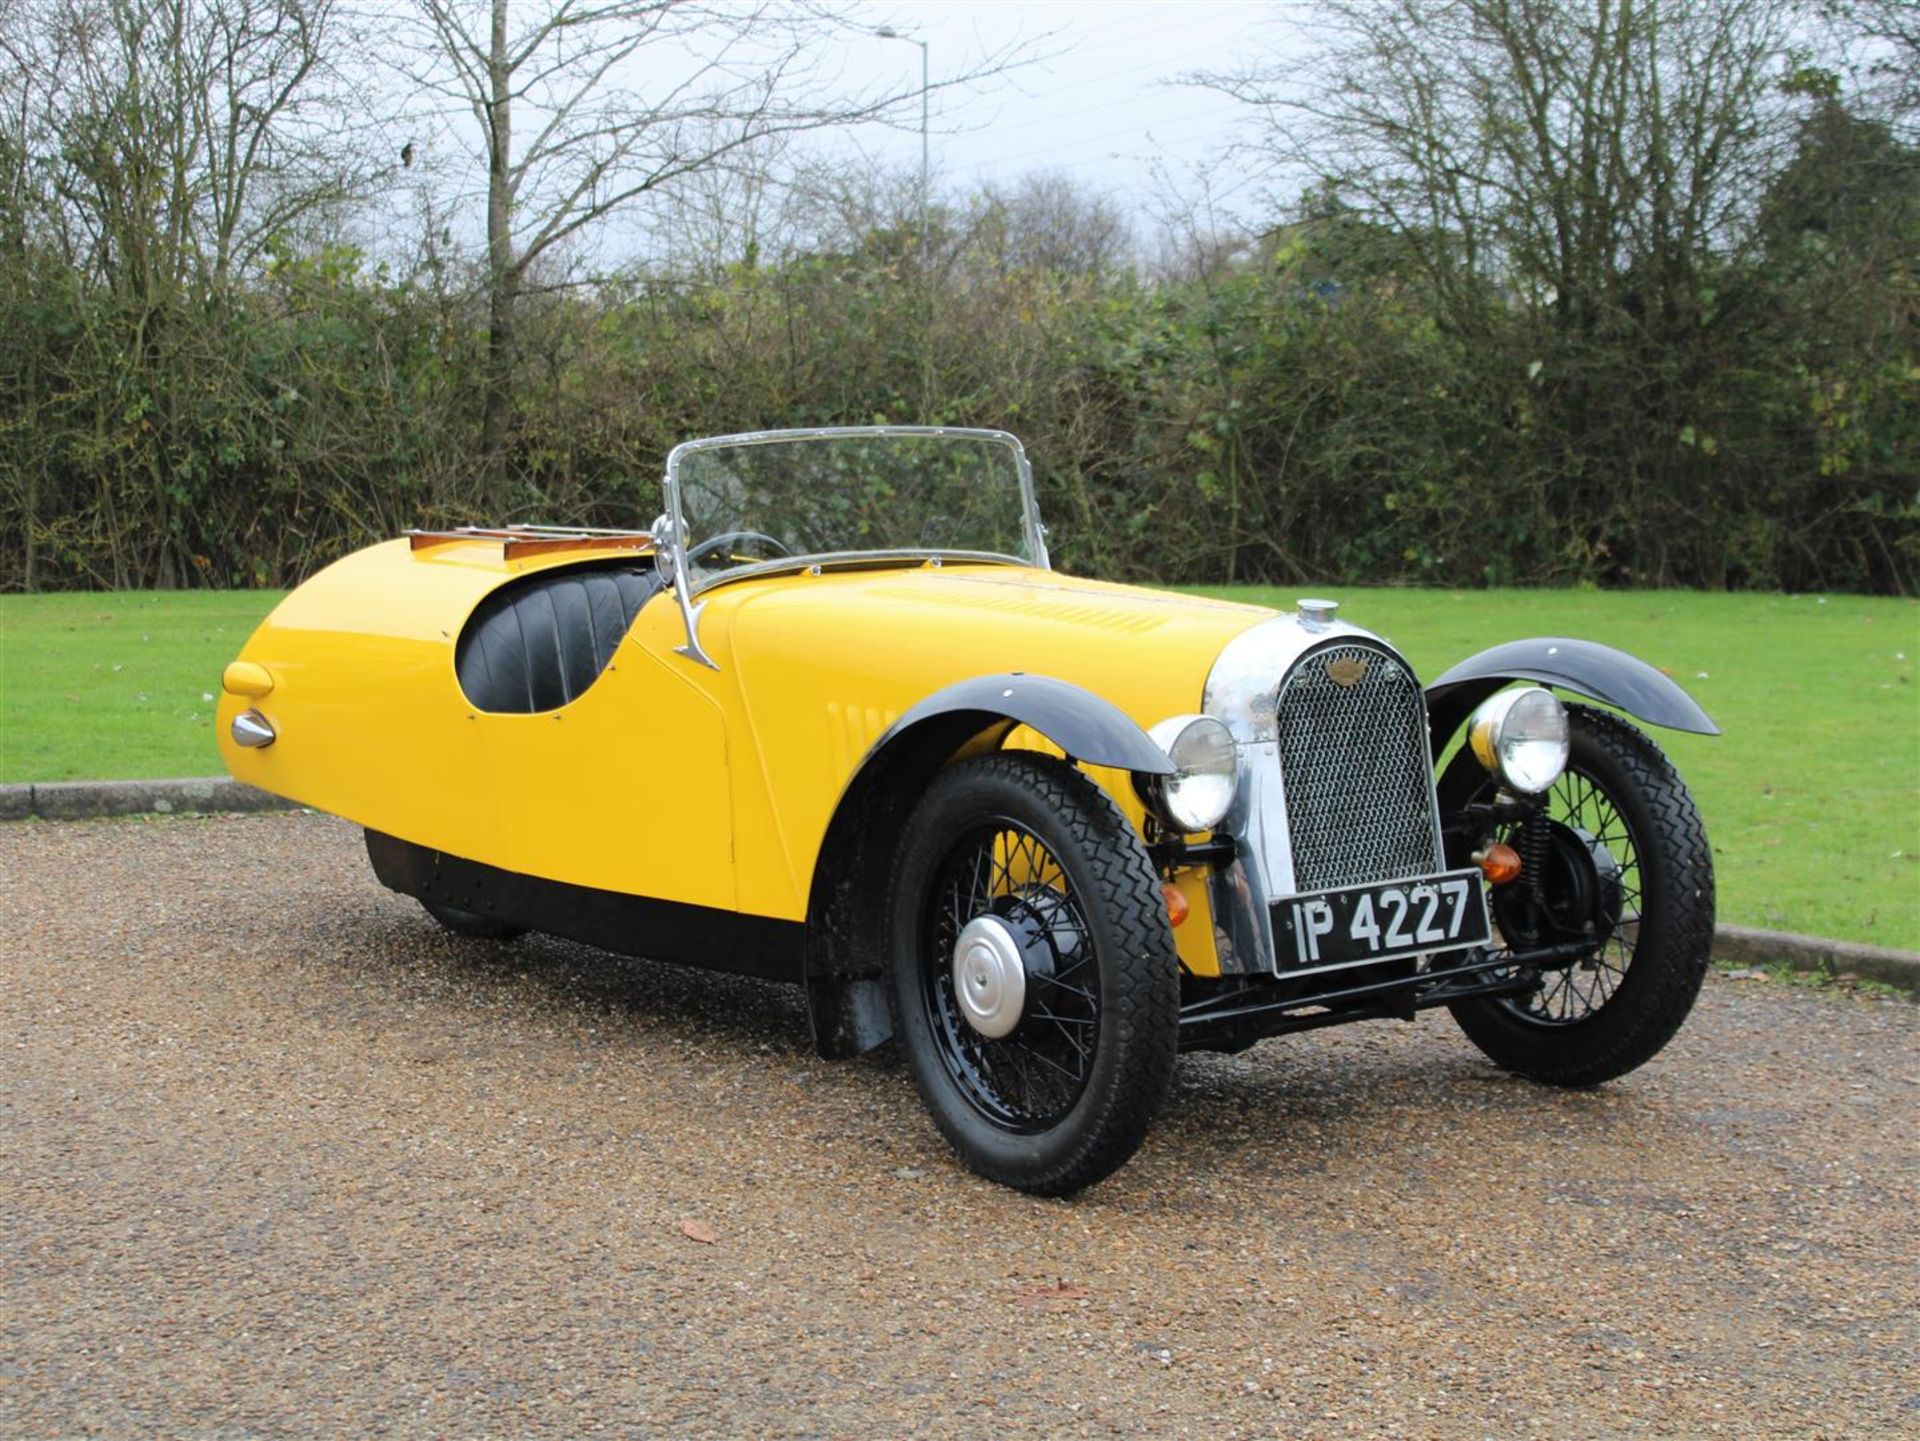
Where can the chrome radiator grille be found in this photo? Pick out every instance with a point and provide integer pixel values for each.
(1353, 761)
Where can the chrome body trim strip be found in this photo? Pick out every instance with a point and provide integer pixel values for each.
(253, 730)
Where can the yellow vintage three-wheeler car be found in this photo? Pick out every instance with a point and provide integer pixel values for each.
(834, 720)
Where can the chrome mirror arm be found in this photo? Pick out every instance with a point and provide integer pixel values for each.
(671, 559)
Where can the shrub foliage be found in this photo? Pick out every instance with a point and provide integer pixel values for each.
(1305, 404)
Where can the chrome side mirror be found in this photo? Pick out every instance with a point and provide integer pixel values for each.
(663, 550)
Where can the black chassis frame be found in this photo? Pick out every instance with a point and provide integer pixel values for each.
(1225, 1013)
(1231, 1013)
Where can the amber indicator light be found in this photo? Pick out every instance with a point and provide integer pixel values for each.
(1498, 863)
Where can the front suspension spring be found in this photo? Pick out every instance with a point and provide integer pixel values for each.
(1535, 843)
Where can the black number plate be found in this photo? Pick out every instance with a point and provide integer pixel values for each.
(1376, 923)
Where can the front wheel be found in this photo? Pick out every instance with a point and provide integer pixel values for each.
(1033, 975)
(1626, 859)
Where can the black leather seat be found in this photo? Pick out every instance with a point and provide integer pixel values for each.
(536, 644)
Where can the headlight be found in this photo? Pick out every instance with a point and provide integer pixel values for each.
(1196, 796)
(1521, 736)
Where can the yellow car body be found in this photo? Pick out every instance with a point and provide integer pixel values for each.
(749, 761)
(833, 719)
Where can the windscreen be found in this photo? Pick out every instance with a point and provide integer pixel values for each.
(767, 499)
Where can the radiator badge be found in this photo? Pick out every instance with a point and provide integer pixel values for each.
(1346, 671)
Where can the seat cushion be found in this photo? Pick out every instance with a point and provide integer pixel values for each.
(538, 643)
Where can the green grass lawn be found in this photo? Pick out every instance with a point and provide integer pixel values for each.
(117, 686)
(1812, 797)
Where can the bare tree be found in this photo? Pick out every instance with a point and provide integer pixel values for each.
(582, 108)
(1552, 145)
(1880, 43)
(1046, 222)
(172, 142)
(187, 135)
(724, 216)
(1573, 188)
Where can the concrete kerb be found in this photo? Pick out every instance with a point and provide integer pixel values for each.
(84, 800)
(1750, 946)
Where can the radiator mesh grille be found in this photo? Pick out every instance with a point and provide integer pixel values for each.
(1353, 759)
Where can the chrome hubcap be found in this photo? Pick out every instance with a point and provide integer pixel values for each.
(989, 976)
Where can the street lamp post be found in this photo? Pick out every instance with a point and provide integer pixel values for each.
(887, 32)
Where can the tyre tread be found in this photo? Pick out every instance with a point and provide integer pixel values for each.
(471, 924)
(1144, 991)
(1666, 981)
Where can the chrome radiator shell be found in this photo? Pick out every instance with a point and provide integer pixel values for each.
(1289, 843)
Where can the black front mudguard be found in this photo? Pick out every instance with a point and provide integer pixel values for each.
(1599, 672)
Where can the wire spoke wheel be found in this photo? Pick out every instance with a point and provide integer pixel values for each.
(1574, 992)
(1627, 865)
(1030, 1078)
(1034, 982)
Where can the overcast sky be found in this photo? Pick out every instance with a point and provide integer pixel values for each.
(1104, 106)
(1095, 95)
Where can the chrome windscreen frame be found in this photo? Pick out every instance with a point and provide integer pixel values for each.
(670, 530)
(1243, 689)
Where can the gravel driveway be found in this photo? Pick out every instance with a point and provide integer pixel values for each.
(276, 1156)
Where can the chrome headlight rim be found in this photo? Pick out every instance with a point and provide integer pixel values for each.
(1522, 738)
(1200, 791)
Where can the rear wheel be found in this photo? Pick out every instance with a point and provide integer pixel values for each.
(1624, 858)
(472, 924)
(1034, 981)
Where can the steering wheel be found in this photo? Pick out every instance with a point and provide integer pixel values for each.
(712, 543)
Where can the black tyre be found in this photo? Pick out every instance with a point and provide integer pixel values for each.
(1033, 870)
(470, 923)
(1600, 1017)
